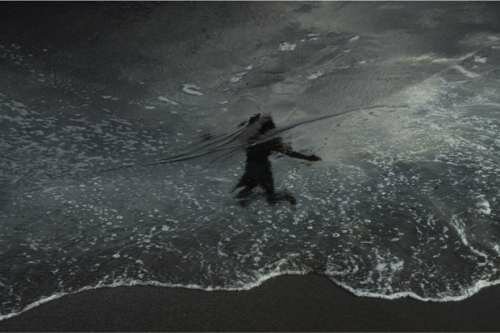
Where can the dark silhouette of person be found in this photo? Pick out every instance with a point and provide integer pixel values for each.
(258, 170)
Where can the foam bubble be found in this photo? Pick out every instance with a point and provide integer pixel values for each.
(466, 72)
(191, 89)
(167, 100)
(483, 205)
(287, 47)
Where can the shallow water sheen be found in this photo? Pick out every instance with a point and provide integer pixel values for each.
(405, 201)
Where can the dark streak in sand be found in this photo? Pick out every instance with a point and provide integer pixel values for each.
(288, 303)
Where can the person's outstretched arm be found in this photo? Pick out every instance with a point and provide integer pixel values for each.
(287, 150)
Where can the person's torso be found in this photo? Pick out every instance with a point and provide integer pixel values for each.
(261, 152)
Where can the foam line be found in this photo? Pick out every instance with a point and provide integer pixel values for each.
(456, 298)
(151, 283)
(478, 286)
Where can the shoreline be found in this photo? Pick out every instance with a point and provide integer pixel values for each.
(288, 302)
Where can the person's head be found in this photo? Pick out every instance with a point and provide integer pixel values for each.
(259, 124)
(254, 118)
(267, 123)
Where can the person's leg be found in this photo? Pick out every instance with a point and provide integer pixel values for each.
(243, 195)
(267, 183)
(272, 196)
(285, 195)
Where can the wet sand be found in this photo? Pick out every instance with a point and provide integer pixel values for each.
(288, 303)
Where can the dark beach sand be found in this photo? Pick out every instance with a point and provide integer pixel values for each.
(285, 303)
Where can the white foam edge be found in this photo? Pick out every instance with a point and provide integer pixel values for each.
(151, 283)
(478, 286)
